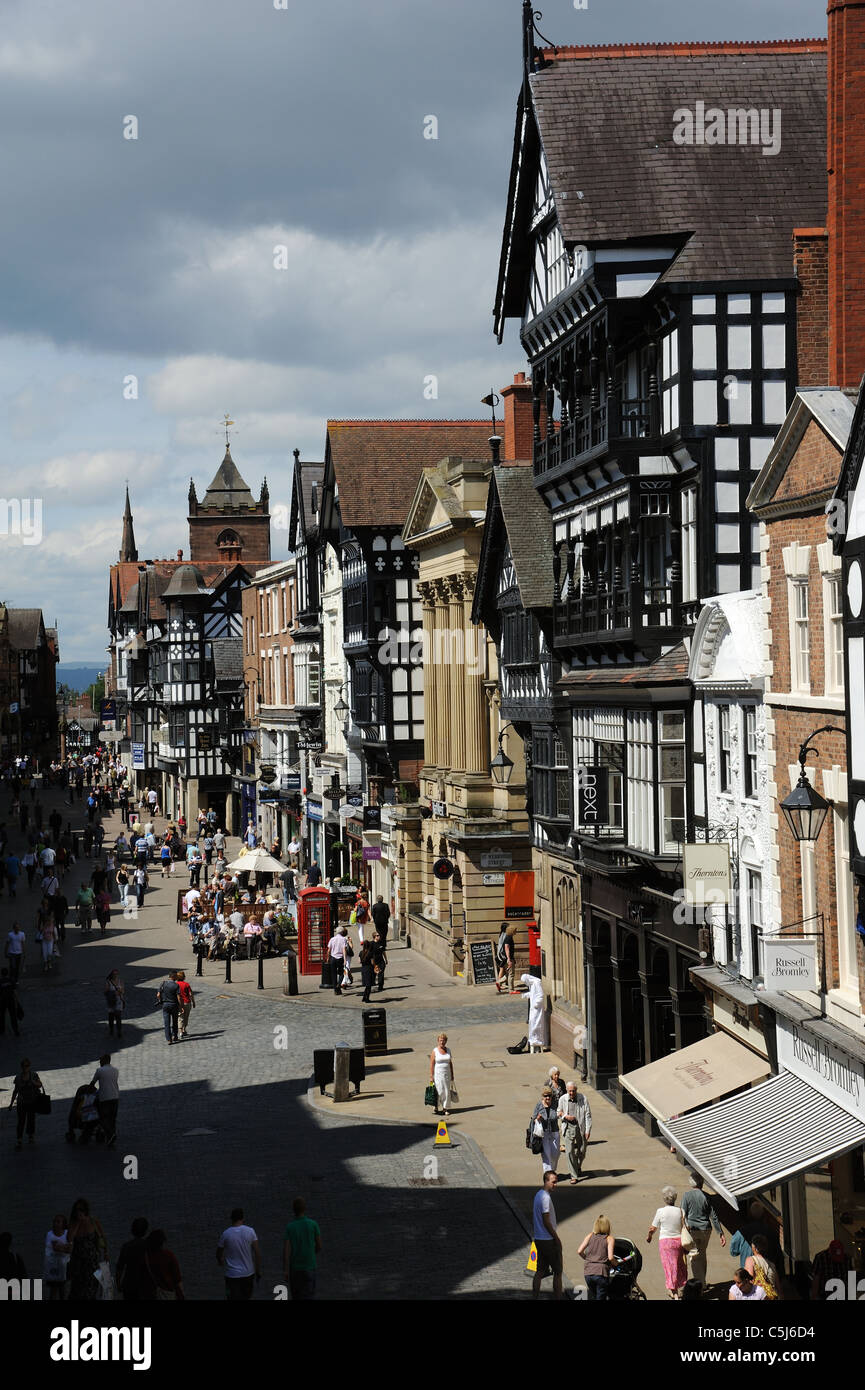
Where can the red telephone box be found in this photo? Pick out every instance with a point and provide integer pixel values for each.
(313, 928)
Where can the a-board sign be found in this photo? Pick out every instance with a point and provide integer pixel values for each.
(483, 962)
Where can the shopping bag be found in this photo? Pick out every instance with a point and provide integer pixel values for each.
(430, 1095)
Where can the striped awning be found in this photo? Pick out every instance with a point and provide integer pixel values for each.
(764, 1136)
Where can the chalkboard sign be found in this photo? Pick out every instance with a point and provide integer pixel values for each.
(483, 962)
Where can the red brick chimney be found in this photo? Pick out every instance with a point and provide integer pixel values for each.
(517, 438)
(811, 265)
(845, 151)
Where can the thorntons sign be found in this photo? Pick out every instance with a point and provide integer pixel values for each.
(829, 1070)
(706, 874)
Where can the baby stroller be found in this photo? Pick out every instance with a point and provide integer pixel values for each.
(84, 1116)
(623, 1276)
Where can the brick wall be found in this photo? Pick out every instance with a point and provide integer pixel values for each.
(518, 425)
(252, 528)
(811, 265)
(845, 151)
(808, 530)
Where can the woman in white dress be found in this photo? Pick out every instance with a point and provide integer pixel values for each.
(441, 1073)
(537, 1017)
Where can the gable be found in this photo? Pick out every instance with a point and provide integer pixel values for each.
(813, 468)
(427, 512)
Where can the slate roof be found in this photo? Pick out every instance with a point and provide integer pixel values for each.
(311, 474)
(227, 490)
(228, 658)
(671, 668)
(378, 463)
(24, 627)
(606, 122)
(530, 533)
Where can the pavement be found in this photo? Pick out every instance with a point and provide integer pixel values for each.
(230, 1118)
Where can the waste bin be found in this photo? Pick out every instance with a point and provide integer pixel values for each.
(374, 1031)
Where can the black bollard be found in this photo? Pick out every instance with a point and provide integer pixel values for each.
(199, 969)
(228, 966)
(260, 968)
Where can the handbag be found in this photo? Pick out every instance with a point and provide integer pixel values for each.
(687, 1240)
(455, 1094)
(104, 1278)
(430, 1095)
(42, 1104)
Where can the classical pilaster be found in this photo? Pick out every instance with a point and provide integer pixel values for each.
(438, 664)
(477, 737)
(430, 677)
(456, 647)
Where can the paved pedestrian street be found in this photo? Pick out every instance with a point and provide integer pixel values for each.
(223, 1120)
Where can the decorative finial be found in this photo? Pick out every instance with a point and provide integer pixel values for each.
(227, 423)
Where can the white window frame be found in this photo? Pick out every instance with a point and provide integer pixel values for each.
(833, 620)
(749, 751)
(689, 545)
(725, 753)
(797, 563)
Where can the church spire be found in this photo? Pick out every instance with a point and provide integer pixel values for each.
(128, 551)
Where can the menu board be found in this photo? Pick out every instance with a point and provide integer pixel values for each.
(483, 962)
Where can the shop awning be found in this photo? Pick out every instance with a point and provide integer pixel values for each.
(764, 1136)
(695, 1075)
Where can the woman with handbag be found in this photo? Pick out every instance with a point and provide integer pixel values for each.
(545, 1126)
(597, 1251)
(163, 1269)
(441, 1074)
(367, 971)
(669, 1221)
(89, 1256)
(26, 1092)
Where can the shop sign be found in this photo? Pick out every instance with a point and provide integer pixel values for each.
(439, 808)
(825, 1067)
(493, 880)
(789, 963)
(520, 894)
(497, 859)
(313, 810)
(706, 873)
(593, 802)
(354, 799)
(289, 782)
(138, 755)
(371, 852)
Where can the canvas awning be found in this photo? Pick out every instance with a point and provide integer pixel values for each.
(695, 1075)
(764, 1136)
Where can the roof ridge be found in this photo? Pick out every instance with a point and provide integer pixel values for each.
(685, 48)
(421, 423)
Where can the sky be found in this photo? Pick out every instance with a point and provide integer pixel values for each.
(154, 158)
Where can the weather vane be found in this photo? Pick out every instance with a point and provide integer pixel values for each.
(226, 426)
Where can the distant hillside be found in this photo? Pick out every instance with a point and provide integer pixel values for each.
(77, 677)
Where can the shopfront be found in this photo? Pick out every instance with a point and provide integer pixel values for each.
(315, 833)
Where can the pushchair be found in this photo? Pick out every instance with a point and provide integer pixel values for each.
(623, 1276)
(84, 1116)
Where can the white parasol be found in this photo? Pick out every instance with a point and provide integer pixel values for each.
(257, 861)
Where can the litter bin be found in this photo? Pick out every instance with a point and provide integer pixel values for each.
(374, 1031)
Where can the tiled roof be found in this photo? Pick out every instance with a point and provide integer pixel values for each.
(670, 668)
(606, 119)
(24, 626)
(378, 463)
(228, 489)
(530, 534)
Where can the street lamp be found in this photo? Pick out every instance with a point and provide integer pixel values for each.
(341, 708)
(805, 809)
(502, 766)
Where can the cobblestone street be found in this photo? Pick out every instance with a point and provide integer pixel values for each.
(224, 1120)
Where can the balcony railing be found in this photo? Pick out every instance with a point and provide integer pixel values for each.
(614, 419)
(613, 615)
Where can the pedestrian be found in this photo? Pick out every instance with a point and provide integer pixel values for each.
(762, 1270)
(367, 970)
(381, 917)
(597, 1250)
(107, 1080)
(744, 1288)
(379, 957)
(557, 1085)
(187, 1001)
(669, 1222)
(134, 1284)
(441, 1074)
(336, 957)
(699, 1220)
(165, 859)
(239, 1255)
(25, 1094)
(115, 1002)
(153, 802)
(575, 1127)
(11, 1265)
(169, 997)
(537, 1018)
(506, 960)
(28, 862)
(13, 869)
(208, 848)
(313, 875)
(195, 866)
(89, 1251)
(84, 901)
(55, 1263)
(46, 935)
(163, 1269)
(545, 1126)
(202, 824)
(60, 908)
(8, 1003)
(121, 878)
(141, 881)
(302, 1243)
(546, 1238)
(827, 1265)
(15, 940)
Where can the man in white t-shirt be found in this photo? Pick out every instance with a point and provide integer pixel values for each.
(546, 1238)
(240, 1257)
(15, 950)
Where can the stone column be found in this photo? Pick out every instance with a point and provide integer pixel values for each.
(477, 714)
(457, 670)
(430, 677)
(438, 662)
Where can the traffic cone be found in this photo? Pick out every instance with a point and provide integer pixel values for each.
(442, 1136)
(532, 1262)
